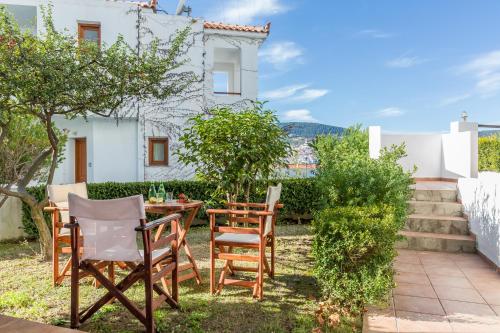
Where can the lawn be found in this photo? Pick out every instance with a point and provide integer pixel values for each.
(289, 301)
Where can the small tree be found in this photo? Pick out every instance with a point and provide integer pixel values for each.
(53, 74)
(235, 148)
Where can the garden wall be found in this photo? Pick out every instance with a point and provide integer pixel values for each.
(481, 199)
(11, 226)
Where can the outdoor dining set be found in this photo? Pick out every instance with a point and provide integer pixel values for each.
(102, 235)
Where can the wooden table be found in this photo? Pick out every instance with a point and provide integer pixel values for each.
(171, 207)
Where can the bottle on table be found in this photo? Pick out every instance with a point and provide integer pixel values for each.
(152, 194)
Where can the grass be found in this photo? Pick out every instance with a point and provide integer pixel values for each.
(289, 300)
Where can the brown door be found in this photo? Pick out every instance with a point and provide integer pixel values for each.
(80, 160)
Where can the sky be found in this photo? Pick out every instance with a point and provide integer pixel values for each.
(408, 66)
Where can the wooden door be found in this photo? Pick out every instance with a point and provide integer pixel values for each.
(80, 160)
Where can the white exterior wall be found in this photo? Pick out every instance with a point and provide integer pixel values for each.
(112, 156)
(481, 199)
(451, 155)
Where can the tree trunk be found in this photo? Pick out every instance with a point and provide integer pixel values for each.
(43, 231)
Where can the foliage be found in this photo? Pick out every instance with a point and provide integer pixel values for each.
(296, 196)
(489, 153)
(364, 203)
(354, 248)
(235, 148)
(53, 74)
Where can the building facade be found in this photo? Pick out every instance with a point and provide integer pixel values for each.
(141, 144)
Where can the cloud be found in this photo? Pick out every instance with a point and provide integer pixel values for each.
(283, 92)
(308, 95)
(405, 62)
(454, 99)
(485, 69)
(282, 53)
(295, 93)
(247, 11)
(374, 33)
(299, 115)
(389, 112)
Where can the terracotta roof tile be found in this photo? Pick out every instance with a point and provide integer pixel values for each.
(236, 27)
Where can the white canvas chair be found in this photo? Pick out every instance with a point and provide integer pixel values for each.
(233, 236)
(58, 208)
(109, 232)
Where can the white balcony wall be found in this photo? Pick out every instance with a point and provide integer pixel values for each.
(450, 155)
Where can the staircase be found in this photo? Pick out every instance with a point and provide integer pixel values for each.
(436, 222)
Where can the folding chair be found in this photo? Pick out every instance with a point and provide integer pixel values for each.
(109, 231)
(237, 236)
(58, 207)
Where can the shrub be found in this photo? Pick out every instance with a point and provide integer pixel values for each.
(354, 248)
(364, 204)
(489, 153)
(295, 196)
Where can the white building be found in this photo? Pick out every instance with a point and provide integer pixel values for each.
(141, 147)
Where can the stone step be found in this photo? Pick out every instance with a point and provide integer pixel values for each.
(455, 225)
(435, 208)
(426, 241)
(435, 195)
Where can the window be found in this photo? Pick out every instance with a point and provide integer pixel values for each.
(158, 151)
(221, 82)
(24, 15)
(89, 32)
(226, 71)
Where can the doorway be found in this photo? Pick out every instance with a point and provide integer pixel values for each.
(80, 160)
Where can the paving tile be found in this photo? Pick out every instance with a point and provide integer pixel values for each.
(409, 268)
(408, 259)
(419, 322)
(450, 281)
(472, 263)
(496, 308)
(416, 278)
(412, 289)
(473, 324)
(481, 272)
(377, 320)
(448, 270)
(458, 294)
(454, 308)
(418, 304)
(492, 295)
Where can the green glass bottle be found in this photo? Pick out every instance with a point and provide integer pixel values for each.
(152, 194)
(160, 196)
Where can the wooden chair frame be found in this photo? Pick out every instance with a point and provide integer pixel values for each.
(142, 271)
(247, 214)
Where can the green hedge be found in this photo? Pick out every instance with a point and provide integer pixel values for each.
(299, 196)
(489, 153)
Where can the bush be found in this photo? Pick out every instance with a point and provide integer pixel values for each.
(296, 196)
(489, 153)
(354, 248)
(364, 204)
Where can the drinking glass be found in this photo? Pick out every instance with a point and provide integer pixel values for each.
(169, 196)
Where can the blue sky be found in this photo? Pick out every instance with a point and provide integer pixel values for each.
(410, 65)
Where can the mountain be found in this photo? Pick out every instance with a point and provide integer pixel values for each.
(488, 133)
(309, 130)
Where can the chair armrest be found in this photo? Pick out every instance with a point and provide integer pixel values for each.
(71, 225)
(239, 212)
(156, 223)
(246, 204)
(52, 209)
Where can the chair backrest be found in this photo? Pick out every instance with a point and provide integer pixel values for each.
(58, 195)
(273, 196)
(108, 227)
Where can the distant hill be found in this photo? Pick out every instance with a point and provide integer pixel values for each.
(488, 133)
(310, 130)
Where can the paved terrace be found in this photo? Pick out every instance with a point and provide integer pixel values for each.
(440, 292)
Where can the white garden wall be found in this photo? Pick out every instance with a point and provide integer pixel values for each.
(481, 200)
(11, 220)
